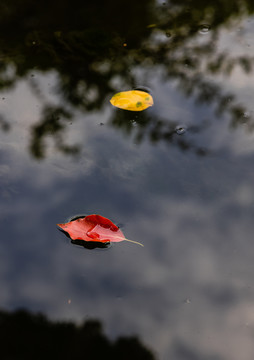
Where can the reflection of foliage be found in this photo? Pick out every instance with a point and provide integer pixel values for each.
(28, 336)
(52, 123)
(155, 129)
(100, 42)
(4, 125)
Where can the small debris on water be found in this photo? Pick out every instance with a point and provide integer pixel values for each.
(134, 123)
(204, 29)
(180, 129)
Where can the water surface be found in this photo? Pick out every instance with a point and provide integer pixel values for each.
(177, 177)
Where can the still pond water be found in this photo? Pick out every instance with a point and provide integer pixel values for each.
(177, 177)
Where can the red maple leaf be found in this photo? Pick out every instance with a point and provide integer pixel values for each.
(95, 228)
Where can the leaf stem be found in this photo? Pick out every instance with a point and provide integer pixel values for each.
(124, 239)
(135, 242)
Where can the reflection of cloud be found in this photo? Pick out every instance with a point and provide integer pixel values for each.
(194, 247)
(192, 282)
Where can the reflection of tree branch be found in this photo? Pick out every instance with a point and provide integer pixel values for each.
(52, 125)
(4, 125)
(142, 126)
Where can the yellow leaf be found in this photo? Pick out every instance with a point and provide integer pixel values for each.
(133, 100)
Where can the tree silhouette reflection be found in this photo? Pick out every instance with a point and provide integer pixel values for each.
(90, 44)
(32, 336)
(53, 119)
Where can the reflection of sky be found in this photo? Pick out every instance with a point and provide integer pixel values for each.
(190, 289)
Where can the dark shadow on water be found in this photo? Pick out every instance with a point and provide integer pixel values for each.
(89, 44)
(32, 336)
(90, 245)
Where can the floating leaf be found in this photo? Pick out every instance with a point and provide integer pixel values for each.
(133, 100)
(94, 228)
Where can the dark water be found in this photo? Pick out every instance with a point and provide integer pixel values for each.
(178, 177)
